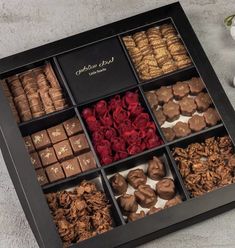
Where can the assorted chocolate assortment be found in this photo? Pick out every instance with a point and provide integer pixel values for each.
(34, 93)
(120, 127)
(80, 213)
(182, 108)
(145, 189)
(60, 151)
(157, 51)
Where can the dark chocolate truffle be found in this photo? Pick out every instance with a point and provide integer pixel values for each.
(145, 196)
(156, 169)
(153, 210)
(174, 201)
(128, 204)
(136, 216)
(136, 177)
(119, 184)
(166, 189)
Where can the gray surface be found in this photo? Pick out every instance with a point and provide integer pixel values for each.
(26, 24)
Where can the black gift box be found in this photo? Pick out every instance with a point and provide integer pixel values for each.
(94, 65)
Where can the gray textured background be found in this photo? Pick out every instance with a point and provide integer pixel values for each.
(25, 24)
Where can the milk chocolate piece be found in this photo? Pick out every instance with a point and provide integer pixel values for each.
(41, 176)
(156, 169)
(136, 216)
(119, 184)
(57, 133)
(211, 117)
(145, 196)
(127, 204)
(196, 85)
(29, 144)
(161, 118)
(47, 156)
(171, 110)
(168, 133)
(153, 210)
(174, 201)
(152, 98)
(79, 143)
(72, 126)
(87, 161)
(55, 172)
(180, 90)
(63, 150)
(35, 160)
(203, 101)
(187, 106)
(197, 123)
(136, 177)
(164, 94)
(71, 167)
(41, 139)
(166, 189)
(181, 129)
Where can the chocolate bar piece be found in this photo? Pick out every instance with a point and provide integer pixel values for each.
(41, 139)
(48, 156)
(87, 161)
(29, 144)
(79, 143)
(57, 133)
(55, 172)
(72, 126)
(41, 176)
(63, 150)
(71, 167)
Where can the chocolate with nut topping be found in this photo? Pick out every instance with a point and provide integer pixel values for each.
(197, 123)
(181, 129)
(187, 106)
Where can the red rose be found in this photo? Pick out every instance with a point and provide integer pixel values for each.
(131, 137)
(106, 119)
(106, 160)
(126, 125)
(122, 154)
(153, 142)
(130, 97)
(87, 112)
(141, 121)
(97, 136)
(116, 157)
(120, 115)
(101, 107)
(118, 144)
(150, 132)
(135, 109)
(109, 132)
(92, 123)
(115, 102)
(134, 149)
(104, 148)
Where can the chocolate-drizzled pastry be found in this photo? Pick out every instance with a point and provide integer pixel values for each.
(197, 123)
(196, 85)
(152, 98)
(211, 117)
(164, 94)
(203, 101)
(166, 188)
(119, 184)
(180, 90)
(171, 110)
(156, 169)
(168, 133)
(145, 196)
(153, 210)
(128, 204)
(136, 216)
(187, 106)
(181, 129)
(136, 178)
(174, 201)
(161, 118)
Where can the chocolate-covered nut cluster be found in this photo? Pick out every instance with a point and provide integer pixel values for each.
(81, 213)
(182, 108)
(34, 93)
(206, 166)
(157, 51)
(60, 151)
(139, 190)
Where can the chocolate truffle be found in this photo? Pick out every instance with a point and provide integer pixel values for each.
(35, 160)
(127, 204)
(174, 201)
(55, 172)
(168, 133)
(171, 110)
(79, 143)
(47, 156)
(180, 90)
(161, 118)
(29, 144)
(136, 177)
(211, 117)
(63, 150)
(119, 184)
(57, 133)
(181, 129)
(197, 123)
(71, 167)
(41, 176)
(136, 216)
(153, 210)
(87, 161)
(187, 106)
(145, 196)
(72, 126)
(196, 85)
(41, 139)
(152, 99)
(164, 94)
(156, 169)
(166, 188)
(203, 101)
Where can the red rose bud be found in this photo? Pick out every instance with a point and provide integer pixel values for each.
(118, 144)
(120, 115)
(116, 157)
(115, 102)
(130, 97)
(109, 133)
(141, 121)
(101, 107)
(87, 112)
(126, 125)
(153, 142)
(135, 109)
(131, 137)
(104, 148)
(97, 136)
(106, 119)
(150, 132)
(134, 149)
(106, 160)
(92, 123)
(122, 154)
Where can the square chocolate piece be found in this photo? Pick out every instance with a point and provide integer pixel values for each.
(41, 139)
(48, 156)
(79, 143)
(63, 150)
(87, 161)
(29, 144)
(57, 133)
(72, 126)
(55, 172)
(71, 167)
(35, 160)
(41, 176)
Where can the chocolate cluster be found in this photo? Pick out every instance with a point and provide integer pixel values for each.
(81, 213)
(206, 166)
(157, 51)
(34, 93)
(120, 127)
(144, 196)
(187, 99)
(60, 151)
